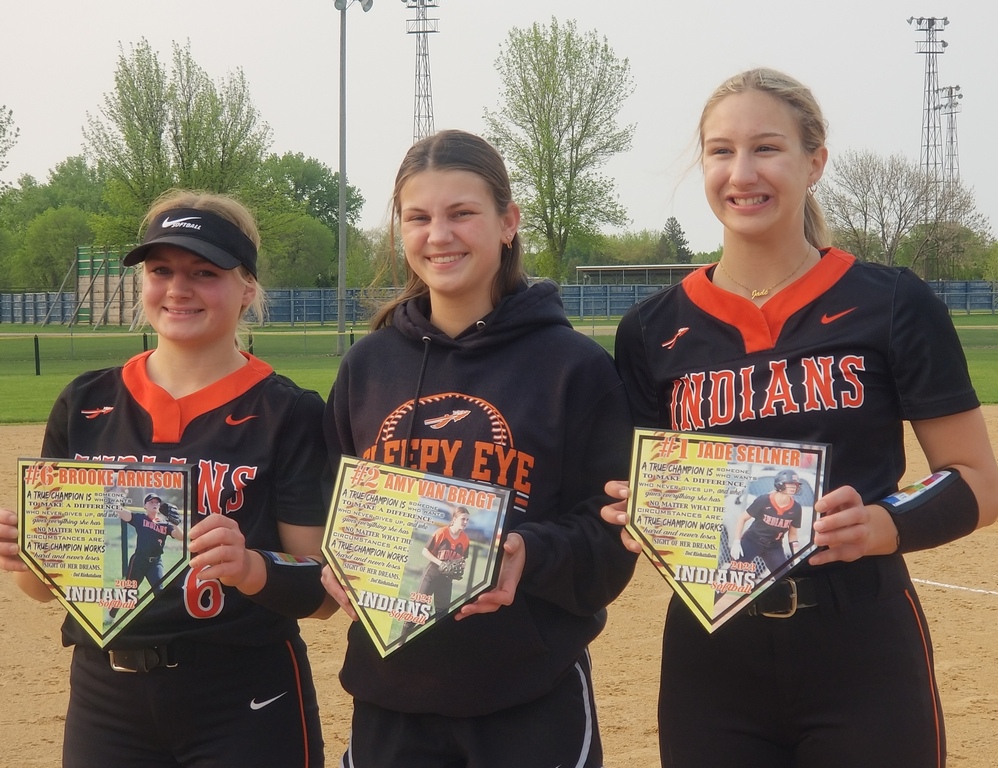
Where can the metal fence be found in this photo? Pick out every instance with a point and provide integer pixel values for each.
(966, 295)
(319, 305)
(37, 308)
(285, 305)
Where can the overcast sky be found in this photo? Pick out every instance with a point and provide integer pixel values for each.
(57, 59)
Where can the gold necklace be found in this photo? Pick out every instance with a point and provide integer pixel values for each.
(765, 291)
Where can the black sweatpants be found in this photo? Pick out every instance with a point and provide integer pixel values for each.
(558, 729)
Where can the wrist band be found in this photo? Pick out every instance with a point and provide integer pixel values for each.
(936, 510)
(293, 587)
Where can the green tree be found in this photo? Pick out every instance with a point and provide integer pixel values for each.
(665, 252)
(217, 137)
(387, 262)
(49, 248)
(970, 251)
(8, 136)
(561, 92)
(583, 248)
(632, 248)
(20, 203)
(311, 183)
(297, 255)
(129, 138)
(677, 239)
(708, 257)
(7, 249)
(955, 251)
(160, 128)
(361, 264)
(26, 210)
(74, 182)
(989, 261)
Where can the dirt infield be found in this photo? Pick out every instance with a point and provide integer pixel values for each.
(34, 683)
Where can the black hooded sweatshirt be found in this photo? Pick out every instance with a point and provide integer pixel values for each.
(523, 401)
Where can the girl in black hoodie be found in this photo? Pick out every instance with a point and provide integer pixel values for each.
(470, 373)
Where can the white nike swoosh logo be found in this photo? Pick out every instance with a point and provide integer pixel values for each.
(168, 222)
(254, 704)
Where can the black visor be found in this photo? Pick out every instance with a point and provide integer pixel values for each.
(203, 233)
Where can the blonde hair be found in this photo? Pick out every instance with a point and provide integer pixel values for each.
(810, 124)
(232, 210)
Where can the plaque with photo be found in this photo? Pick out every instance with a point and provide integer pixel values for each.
(105, 537)
(411, 548)
(723, 518)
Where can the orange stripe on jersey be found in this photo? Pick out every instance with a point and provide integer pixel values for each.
(760, 327)
(170, 417)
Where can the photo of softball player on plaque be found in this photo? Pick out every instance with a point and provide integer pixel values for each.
(723, 518)
(411, 548)
(106, 538)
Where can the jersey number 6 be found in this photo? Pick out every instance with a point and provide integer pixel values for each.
(204, 599)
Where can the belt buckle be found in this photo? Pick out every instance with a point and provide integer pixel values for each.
(120, 660)
(793, 603)
(141, 660)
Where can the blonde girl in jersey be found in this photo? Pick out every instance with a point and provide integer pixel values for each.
(832, 666)
(213, 671)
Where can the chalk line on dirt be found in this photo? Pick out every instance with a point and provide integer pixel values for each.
(954, 586)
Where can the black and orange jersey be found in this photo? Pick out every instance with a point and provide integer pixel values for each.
(771, 520)
(840, 356)
(150, 534)
(445, 545)
(255, 439)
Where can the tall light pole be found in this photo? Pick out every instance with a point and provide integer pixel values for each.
(422, 121)
(341, 273)
(932, 143)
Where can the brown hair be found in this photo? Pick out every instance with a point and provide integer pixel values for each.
(453, 150)
(810, 124)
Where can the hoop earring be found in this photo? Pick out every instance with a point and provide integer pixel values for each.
(811, 189)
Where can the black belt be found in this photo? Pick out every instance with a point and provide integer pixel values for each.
(785, 598)
(144, 659)
(835, 587)
(140, 659)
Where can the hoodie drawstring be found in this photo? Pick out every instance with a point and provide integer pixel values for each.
(406, 462)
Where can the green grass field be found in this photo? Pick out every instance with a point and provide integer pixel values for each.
(306, 354)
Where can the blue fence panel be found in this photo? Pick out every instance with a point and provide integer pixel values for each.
(32, 308)
(966, 295)
(315, 305)
(606, 300)
(319, 305)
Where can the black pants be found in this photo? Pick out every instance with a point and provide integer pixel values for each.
(220, 706)
(849, 682)
(558, 729)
